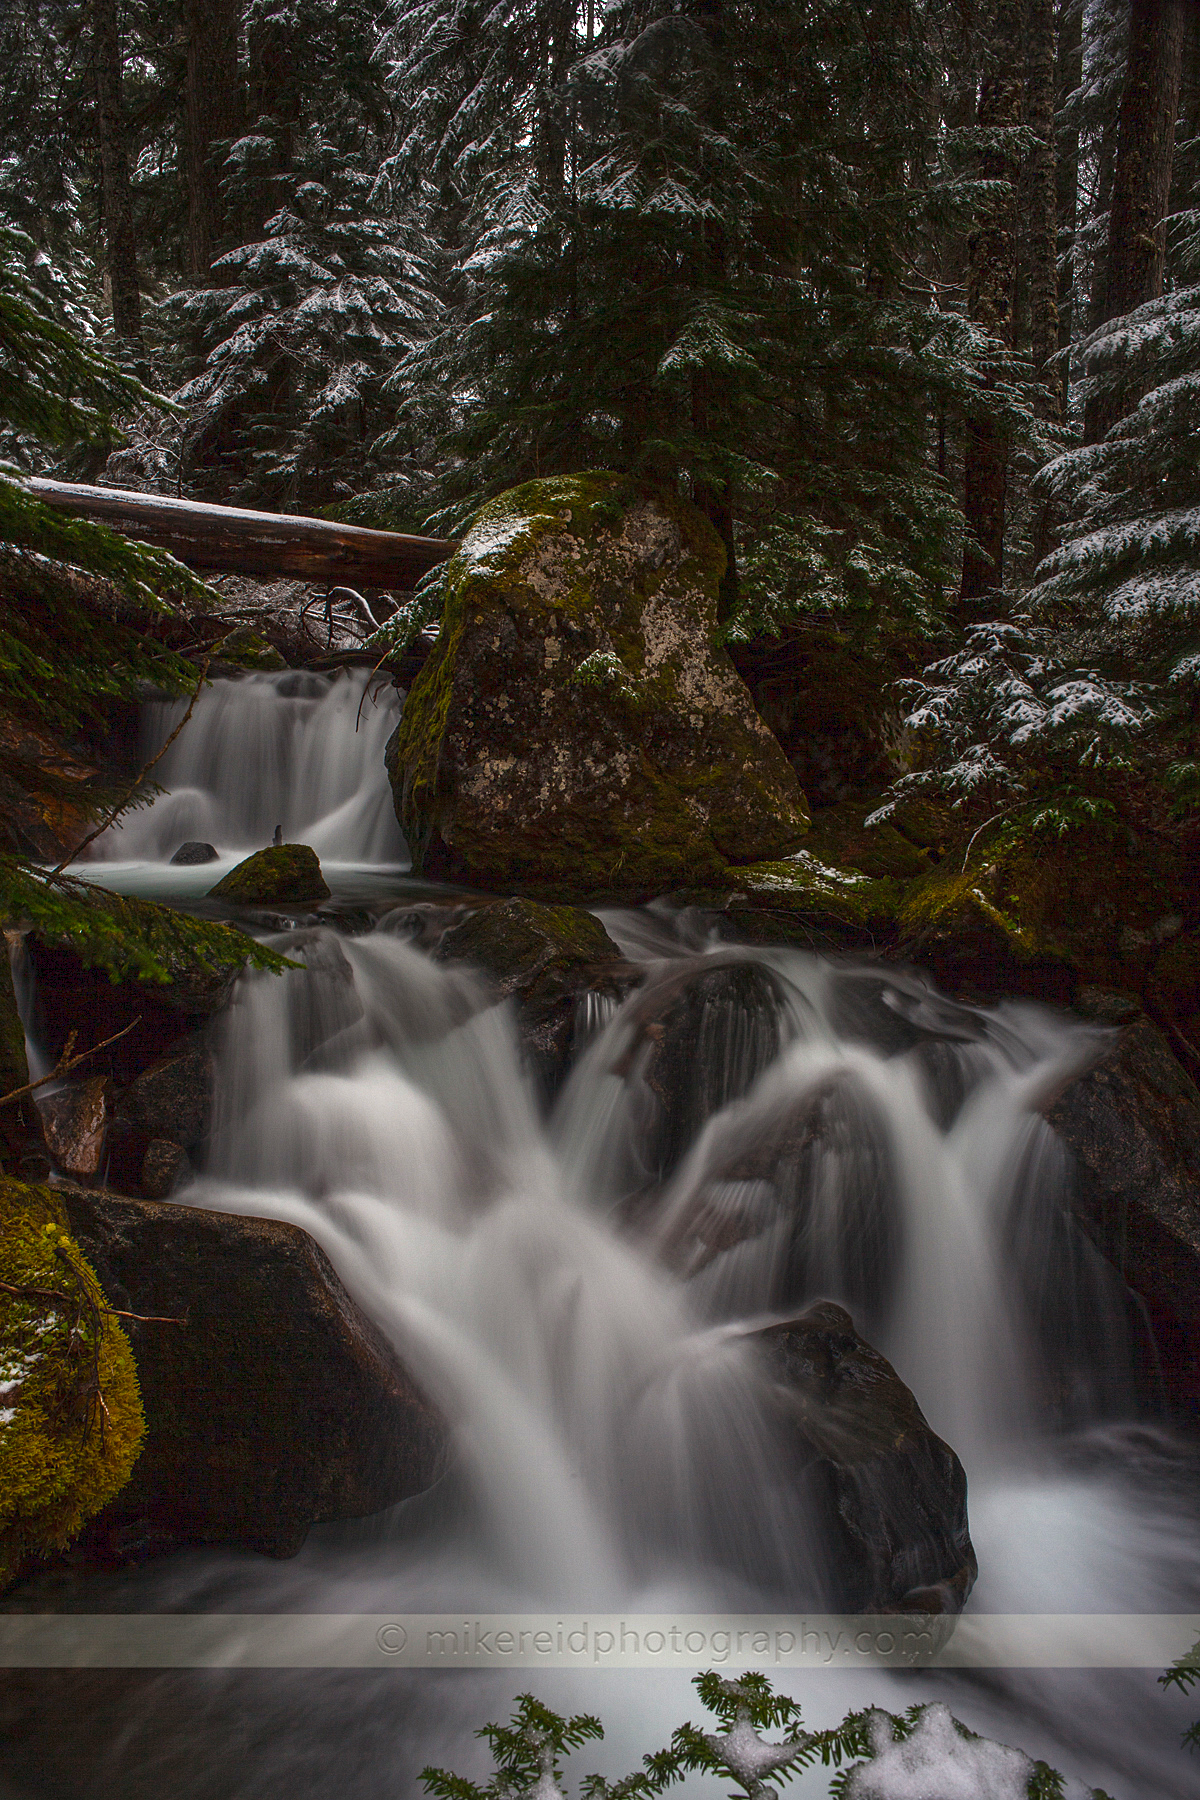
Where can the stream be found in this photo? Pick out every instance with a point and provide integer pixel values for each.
(613, 1446)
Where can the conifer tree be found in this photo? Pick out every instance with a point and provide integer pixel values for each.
(686, 249)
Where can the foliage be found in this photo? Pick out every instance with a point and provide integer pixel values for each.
(128, 939)
(686, 248)
(1184, 1674)
(71, 1426)
(1097, 670)
(299, 330)
(529, 1750)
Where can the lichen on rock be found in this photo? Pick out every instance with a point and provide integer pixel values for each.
(71, 1420)
(282, 875)
(577, 731)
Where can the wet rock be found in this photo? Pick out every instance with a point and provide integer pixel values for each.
(283, 875)
(173, 1098)
(696, 1040)
(17, 1119)
(577, 731)
(194, 852)
(275, 1405)
(163, 1167)
(546, 958)
(768, 1172)
(889, 1496)
(1133, 1126)
(74, 1123)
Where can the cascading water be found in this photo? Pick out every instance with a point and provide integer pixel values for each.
(574, 1291)
(294, 750)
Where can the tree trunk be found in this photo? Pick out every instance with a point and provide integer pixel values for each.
(214, 113)
(252, 543)
(1069, 78)
(119, 233)
(1042, 251)
(1141, 178)
(991, 283)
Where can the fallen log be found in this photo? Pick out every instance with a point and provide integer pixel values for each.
(205, 536)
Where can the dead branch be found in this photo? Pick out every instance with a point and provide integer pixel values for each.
(67, 1061)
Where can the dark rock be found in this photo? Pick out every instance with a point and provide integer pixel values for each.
(828, 702)
(545, 958)
(697, 1039)
(163, 1167)
(274, 1406)
(770, 1176)
(1133, 1125)
(173, 1098)
(17, 1119)
(284, 874)
(74, 1123)
(195, 852)
(577, 731)
(889, 1496)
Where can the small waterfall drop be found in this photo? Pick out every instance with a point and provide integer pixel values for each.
(292, 749)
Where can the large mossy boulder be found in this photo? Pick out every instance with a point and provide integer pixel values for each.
(282, 875)
(272, 1402)
(888, 1496)
(577, 731)
(71, 1421)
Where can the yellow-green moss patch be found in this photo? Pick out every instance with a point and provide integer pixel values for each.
(71, 1420)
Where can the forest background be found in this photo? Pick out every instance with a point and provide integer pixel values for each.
(902, 293)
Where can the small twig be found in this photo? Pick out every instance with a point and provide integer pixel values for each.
(124, 803)
(24, 1291)
(67, 1062)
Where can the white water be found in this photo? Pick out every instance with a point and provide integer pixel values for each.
(611, 1445)
(296, 750)
(611, 1448)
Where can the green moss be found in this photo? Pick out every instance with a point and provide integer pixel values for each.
(71, 1419)
(249, 649)
(811, 896)
(838, 836)
(284, 874)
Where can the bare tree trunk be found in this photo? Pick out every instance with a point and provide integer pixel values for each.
(119, 233)
(214, 112)
(1142, 177)
(991, 283)
(1069, 78)
(1042, 249)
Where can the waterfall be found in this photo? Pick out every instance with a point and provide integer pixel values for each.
(548, 1281)
(296, 750)
(579, 1292)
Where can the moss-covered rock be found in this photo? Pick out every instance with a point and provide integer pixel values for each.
(545, 958)
(71, 1421)
(283, 875)
(576, 731)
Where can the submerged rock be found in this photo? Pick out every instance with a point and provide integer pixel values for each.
(547, 959)
(577, 730)
(195, 852)
(274, 1404)
(695, 1040)
(1133, 1125)
(889, 1497)
(284, 874)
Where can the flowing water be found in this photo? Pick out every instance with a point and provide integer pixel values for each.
(297, 751)
(575, 1289)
